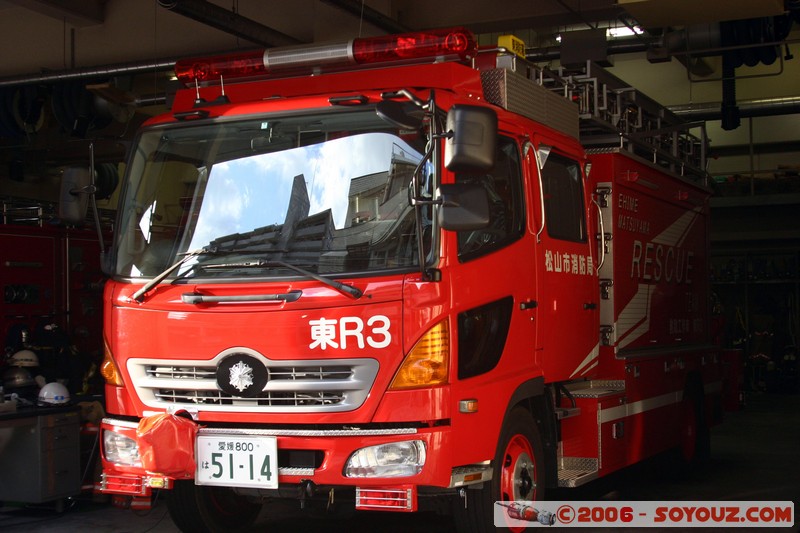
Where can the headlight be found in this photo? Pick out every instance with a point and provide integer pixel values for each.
(120, 449)
(395, 459)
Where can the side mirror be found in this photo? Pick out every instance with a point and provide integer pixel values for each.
(471, 148)
(462, 207)
(76, 186)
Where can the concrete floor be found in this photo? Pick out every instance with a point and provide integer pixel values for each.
(756, 457)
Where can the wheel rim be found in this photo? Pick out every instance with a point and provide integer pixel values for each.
(518, 476)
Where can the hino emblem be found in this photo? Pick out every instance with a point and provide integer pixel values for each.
(241, 376)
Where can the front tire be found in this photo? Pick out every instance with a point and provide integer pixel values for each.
(199, 509)
(518, 475)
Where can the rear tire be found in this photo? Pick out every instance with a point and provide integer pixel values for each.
(518, 475)
(199, 509)
(695, 439)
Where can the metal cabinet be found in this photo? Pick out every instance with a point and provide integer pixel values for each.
(39, 455)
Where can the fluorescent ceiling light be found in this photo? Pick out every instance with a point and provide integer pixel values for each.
(623, 31)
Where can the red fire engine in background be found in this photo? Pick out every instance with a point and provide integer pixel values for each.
(403, 270)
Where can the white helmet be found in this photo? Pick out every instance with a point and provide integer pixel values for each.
(17, 378)
(54, 394)
(24, 358)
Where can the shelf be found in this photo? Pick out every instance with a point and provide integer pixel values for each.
(754, 298)
(782, 281)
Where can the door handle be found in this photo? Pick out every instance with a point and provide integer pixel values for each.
(589, 306)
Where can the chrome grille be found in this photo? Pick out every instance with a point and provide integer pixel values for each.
(279, 372)
(293, 386)
(265, 398)
(179, 372)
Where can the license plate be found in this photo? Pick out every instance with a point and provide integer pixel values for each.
(237, 461)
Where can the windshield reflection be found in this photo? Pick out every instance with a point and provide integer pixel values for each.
(327, 192)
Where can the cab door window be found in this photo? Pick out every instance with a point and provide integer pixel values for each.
(563, 199)
(503, 185)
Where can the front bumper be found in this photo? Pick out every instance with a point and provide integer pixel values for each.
(304, 455)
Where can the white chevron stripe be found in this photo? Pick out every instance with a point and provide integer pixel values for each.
(592, 356)
(634, 320)
(676, 233)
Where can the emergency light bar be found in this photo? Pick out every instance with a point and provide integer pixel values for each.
(429, 45)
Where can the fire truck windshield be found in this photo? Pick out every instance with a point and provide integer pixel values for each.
(325, 192)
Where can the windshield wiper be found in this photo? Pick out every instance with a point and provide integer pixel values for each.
(348, 290)
(139, 295)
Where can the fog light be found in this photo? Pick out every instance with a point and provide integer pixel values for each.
(157, 482)
(394, 459)
(120, 449)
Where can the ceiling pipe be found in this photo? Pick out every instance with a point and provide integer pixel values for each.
(622, 46)
(633, 45)
(367, 14)
(767, 107)
(229, 22)
(197, 9)
(105, 71)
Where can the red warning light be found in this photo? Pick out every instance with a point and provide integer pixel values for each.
(447, 44)
(211, 69)
(431, 45)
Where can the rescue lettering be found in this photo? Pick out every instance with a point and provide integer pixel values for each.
(332, 333)
(652, 261)
(628, 203)
(679, 326)
(633, 224)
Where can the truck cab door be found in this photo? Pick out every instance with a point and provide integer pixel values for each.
(492, 278)
(568, 316)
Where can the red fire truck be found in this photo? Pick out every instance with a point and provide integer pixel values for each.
(384, 270)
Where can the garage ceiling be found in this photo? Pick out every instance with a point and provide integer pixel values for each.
(132, 43)
(661, 13)
(51, 36)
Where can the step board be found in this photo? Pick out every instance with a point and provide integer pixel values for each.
(576, 471)
(597, 388)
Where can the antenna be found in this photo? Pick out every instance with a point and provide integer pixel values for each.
(197, 99)
(222, 98)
